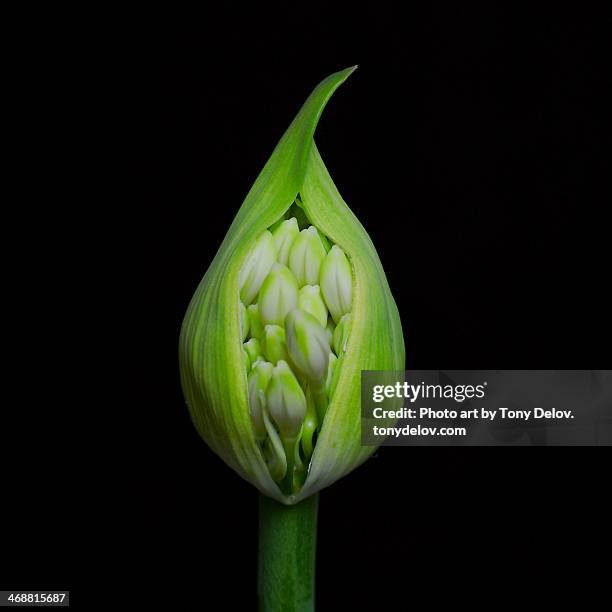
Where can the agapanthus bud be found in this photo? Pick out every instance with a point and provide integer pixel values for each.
(253, 350)
(275, 344)
(224, 378)
(244, 321)
(278, 295)
(255, 324)
(337, 283)
(258, 264)
(306, 256)
(284, 236)
(307, 344)
(286, 402)
(341, 334)
(258, 384)
(310, 300)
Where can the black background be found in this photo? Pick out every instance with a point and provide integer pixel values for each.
(470, 147)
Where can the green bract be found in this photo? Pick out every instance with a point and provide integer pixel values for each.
(272, 385)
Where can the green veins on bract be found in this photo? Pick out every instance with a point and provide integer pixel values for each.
(280, 278)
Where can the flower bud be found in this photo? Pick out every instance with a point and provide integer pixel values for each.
(341, 334)
(253, 350)
(284, 236)
(275, 345)
(306, 256)
(279, 295)
(310, 300)
(286, 401)
(258, 264)
(235, 406)
(255, 324)
(337, 283)
(258, 384)
(307, 344)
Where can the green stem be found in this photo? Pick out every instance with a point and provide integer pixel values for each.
(287, 548)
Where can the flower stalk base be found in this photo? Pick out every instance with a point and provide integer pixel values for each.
(286, 556)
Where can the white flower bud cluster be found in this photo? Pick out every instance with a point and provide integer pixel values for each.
(296, 295)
